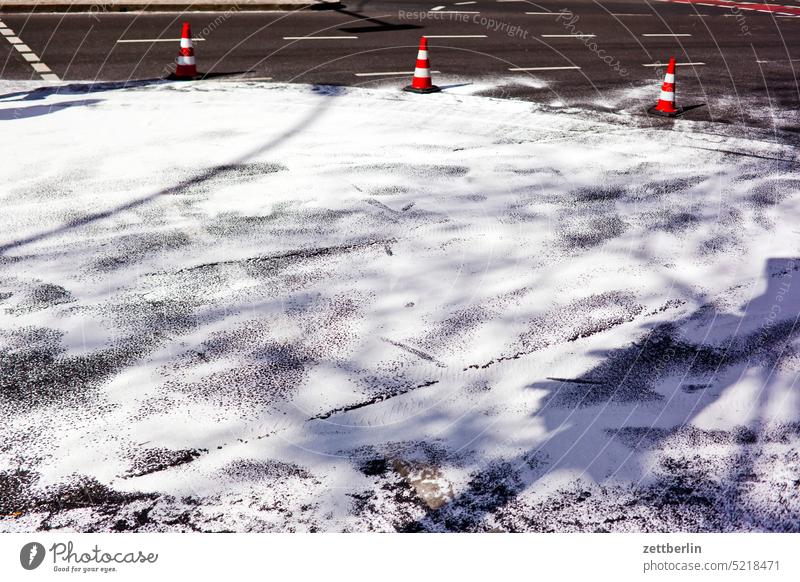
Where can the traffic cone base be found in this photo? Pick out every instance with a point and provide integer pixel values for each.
(184, 77)
(654, 110)
(431, 89)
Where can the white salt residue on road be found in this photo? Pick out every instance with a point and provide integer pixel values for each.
(272, 307)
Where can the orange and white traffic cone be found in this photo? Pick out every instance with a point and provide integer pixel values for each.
(186, 68)
(666, 100)
(421, 83)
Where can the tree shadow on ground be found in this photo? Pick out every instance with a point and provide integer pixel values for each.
(663, 370)
(196, 180)
(40, 93)
(39, 110)
(375, 24)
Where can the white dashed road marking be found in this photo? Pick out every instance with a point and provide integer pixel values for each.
(569, 35)
(319, 37)
(390, 73)
(455, 36)
(676, 64)
(25, 51)
(544, 69)
(156, 40)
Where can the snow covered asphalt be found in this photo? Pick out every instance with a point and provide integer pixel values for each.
(237, 306)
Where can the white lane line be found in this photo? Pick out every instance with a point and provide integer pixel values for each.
(148, 40)
(676, 64)
(26, 53)
(631, 14)
(457, 12)
(544, 69)
(465, 3)
(436, 8)
(389, 73)
(667, 34)
(569, 35)
(540, 13)
(455, 36)
(244, 79)
(318, 37)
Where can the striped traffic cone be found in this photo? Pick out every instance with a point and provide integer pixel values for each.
(421, 83)
(666, 101)
(186, 68)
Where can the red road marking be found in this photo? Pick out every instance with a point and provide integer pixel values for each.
(744, 5)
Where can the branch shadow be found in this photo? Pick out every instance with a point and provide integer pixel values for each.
(78, 89)
(196, 180)
(39, 110)
(754, 341)
(376, 24)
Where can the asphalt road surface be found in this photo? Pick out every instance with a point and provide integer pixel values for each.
(742, 59)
